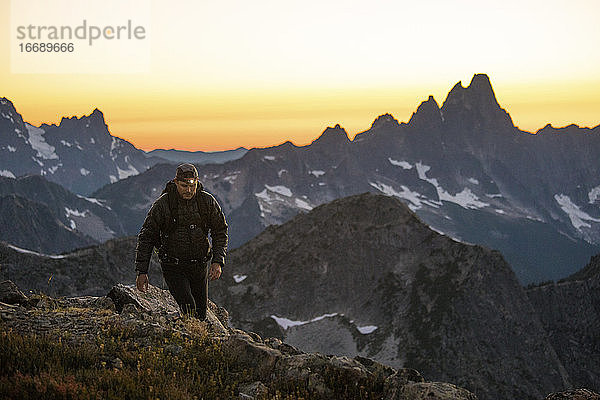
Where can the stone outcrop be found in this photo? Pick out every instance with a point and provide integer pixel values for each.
(11, 294)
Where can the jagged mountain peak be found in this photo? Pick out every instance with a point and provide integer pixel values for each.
(96, 118)
(479, 92)
(475, 107)
(96, 115)
(428, 113)
(385, 120)
(480, 82)
(332, 136)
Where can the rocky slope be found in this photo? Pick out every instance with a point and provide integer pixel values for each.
(38, 228)
(364, 276)
(262, 368)
(51, 219)
(87, 271)
(570, 313)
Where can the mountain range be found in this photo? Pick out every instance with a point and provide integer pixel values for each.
(78, 153)
(464, 168)
(198, 157)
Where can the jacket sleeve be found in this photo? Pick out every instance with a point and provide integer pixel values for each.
(148, 238)
(218, 232)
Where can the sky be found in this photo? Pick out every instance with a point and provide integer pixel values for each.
(217, 75)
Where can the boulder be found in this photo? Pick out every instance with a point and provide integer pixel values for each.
(159, 301)
(254, 390)
(10, 293)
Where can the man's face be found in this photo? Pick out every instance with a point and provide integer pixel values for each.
(186, 188)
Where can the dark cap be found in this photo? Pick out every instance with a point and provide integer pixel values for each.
(185, 172)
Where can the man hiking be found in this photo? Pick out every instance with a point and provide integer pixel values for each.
(178, 225)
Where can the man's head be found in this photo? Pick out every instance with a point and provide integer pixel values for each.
(186, 179)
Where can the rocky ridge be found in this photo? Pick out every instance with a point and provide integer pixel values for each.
(570, 312)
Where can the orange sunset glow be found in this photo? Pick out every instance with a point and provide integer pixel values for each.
(256, 74)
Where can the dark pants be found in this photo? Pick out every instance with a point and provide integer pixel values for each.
(188, 283)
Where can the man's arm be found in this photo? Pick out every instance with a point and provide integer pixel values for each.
(218, 232)
(148, 238)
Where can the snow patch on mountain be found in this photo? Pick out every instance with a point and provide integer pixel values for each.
(264, 196)
(6, 173)
(124, 173)
(576, 215)
(114, 144)
(269, 158)
(11, 149)
(316, 173)
(282, 190)
(365, 330)
(95, 201)
(465, 199)
(594, 194)
(77, 213)
(8, 116)
(403, 164)
(231, 178)
(473, 181)
(84, 171)
(303, 204)
(25, 251)
(65, 143)
(286, 323)
(239, 278)
(416, 199)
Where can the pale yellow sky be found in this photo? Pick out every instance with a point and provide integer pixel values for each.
(238, 73)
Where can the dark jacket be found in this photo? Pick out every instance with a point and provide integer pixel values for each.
(187, 239)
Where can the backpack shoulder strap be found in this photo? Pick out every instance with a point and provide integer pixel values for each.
(202, 200)
(171, 191)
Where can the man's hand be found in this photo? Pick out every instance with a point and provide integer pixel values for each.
(142, 282)
(215, 271)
